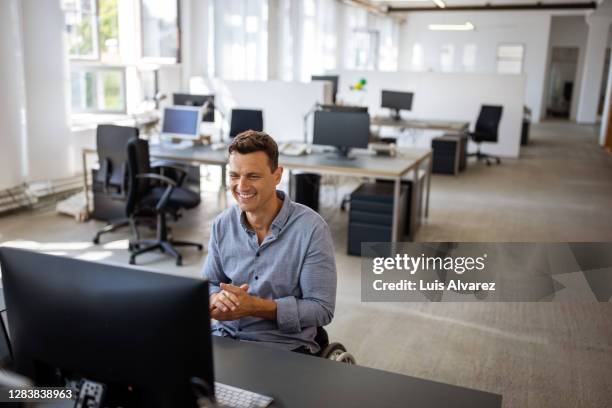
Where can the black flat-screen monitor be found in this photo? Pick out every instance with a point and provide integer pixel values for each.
(245, 119)
(208, 115)
(396, 101)
(143, 334)
(343, 130)
(333, 79)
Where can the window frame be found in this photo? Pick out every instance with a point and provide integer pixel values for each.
(96, 54)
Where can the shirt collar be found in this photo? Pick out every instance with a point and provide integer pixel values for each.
(279, 221)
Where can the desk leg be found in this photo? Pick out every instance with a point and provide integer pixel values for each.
(395, 230)
(85, 184)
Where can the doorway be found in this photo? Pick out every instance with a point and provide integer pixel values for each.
(563, 68)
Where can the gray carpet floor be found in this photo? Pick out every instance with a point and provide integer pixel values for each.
(534, 354)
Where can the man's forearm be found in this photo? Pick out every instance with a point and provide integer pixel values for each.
(265, 308)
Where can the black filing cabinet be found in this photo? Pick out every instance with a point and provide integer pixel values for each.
(449, 153)
(371, 214)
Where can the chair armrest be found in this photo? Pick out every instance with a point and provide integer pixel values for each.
(158, 177)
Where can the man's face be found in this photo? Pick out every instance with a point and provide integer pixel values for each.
(252, 181)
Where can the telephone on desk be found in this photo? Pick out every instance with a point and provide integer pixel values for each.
(293, 149)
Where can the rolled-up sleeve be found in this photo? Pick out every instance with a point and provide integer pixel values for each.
(213, 267)
(318, 286)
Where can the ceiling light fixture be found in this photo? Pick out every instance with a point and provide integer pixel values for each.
(440, 3)
(452, 27)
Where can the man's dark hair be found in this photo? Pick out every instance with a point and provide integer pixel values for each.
(252, 141)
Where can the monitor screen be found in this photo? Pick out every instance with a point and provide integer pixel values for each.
(341, 129)
(182, 121)
(129, 329)
(333, 79)
(197, 100)
(397, 100)
(245, 119)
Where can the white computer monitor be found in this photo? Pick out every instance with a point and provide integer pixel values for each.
(181, 122)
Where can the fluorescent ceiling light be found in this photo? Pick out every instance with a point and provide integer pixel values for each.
(440, 3)
(452, 27)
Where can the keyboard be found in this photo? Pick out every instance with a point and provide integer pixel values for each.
(228, 396)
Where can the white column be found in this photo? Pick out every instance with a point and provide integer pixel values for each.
(12, 138)
(274, 40)
(592, 73)
(51, 154)
(341, 33)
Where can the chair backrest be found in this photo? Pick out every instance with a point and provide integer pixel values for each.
(245, 119)
(138, 163)
(488, 122)
(111, 143)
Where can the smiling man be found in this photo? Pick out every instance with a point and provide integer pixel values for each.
(270, 261)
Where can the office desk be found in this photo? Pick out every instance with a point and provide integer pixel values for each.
(364, 165)
(297, 380)
(425, 124)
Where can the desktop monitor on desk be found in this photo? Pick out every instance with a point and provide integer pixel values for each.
(343, 130)
(245, 119)
(397, 101)
(181, 122)
(331, 78)
(143, 334)
(207, 101)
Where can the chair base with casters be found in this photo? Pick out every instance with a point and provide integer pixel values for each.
(332, 351)
(161, 242)
(111, 227)
(484, 156)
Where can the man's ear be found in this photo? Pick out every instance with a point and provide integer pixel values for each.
(278, 175)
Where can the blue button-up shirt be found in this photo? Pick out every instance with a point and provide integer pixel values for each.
(294, 266)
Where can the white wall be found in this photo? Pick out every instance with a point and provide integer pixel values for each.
(284, 104)
(492, 28)
(447, 96)
(570, 31)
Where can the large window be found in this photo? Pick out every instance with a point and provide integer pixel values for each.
(241, 39)
(98, 32)
(160, 38)
(97, 89)
(92, 28)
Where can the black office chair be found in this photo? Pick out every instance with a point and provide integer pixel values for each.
(6, 353)
(332, 351)
(245, 119)
(486, 130)
(110, 180)
(148, 191)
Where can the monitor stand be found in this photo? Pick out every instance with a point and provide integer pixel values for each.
(395, 115)
(342, 153)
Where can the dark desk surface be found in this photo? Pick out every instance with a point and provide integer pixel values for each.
(297, 380)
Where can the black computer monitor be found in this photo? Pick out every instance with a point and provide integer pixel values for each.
(143, 334)
(343, 130)
(197, 100)
(333, 79)
(245, 119)
(396, 101)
